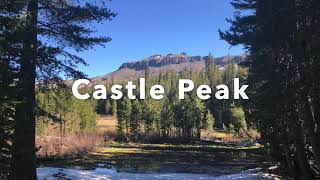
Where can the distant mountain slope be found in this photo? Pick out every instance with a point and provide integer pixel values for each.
(159, 63)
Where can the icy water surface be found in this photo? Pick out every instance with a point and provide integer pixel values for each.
(156, 162)
(48, 173)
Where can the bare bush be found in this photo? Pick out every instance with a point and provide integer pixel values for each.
(67, 147)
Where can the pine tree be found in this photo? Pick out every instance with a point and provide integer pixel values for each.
(135, 120)
(87, 117)
(166, 118)
(237, 119)
(7, 101)
(179, 115)
(209, 68)
(208, 120)
(214, 76)
(10, 21)
(60, 107)
(114, 108)
(124, 111)
(278, 59)
(198, 114)
(107, 107)
(146, 115)
(61, 24)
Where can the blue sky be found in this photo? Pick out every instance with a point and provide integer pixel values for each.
(146, 27)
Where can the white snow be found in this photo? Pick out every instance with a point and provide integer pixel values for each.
(49, 173)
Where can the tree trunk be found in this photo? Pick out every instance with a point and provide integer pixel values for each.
(24, 135)
(301, 153)
(315, 103)
(64, 128)
(199, 134)
(312, 130)
(290, 163)
(220, 121)
(61, 126)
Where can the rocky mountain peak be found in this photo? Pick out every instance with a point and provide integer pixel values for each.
(158, 60)
(163, 63)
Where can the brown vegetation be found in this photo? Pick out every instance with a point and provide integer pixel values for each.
(67, 147)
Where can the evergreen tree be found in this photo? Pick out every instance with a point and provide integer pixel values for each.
(124, 111)
(198, 114)
(62, 102)
(150, 112)
(214, 76)
(237, 119)
(178, 122)
(60, 107)
(166, 118)
(209, 68)
(87, 117)
(101, 106)
(228, 77)
(107, 107)
(61, 24)
(135, 120)
(114, 108)
(208, 120)
(10, 43)
(7, 101)
(282, 66)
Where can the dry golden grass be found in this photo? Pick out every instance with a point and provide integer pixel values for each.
(219, 135)
(107, 125)
(226, 137)
(106, 120)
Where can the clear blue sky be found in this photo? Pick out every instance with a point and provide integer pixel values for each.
(146, 27)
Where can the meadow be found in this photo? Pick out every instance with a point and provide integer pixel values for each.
(218, 153)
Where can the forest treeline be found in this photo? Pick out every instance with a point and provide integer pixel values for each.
(168, 118)
(171, 117)
(283, 40)
(64, 112)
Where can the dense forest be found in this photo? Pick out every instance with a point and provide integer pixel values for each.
(168, 118)
(184, 119)
(282, 40)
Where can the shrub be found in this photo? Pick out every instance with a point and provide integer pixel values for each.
(229, 128)
(67, 147)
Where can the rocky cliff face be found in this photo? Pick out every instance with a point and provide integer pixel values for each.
(159, 63)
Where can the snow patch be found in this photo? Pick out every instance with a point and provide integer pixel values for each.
(49, 173)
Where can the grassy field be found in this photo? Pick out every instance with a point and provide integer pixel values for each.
(225, 156)
(148, 158)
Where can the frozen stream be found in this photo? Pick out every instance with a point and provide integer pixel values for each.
(48, 173)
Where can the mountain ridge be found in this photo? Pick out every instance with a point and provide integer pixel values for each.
(163, 63)
(160, 60)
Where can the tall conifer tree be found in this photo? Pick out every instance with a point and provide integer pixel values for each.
(280, 37)
(63, 24)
